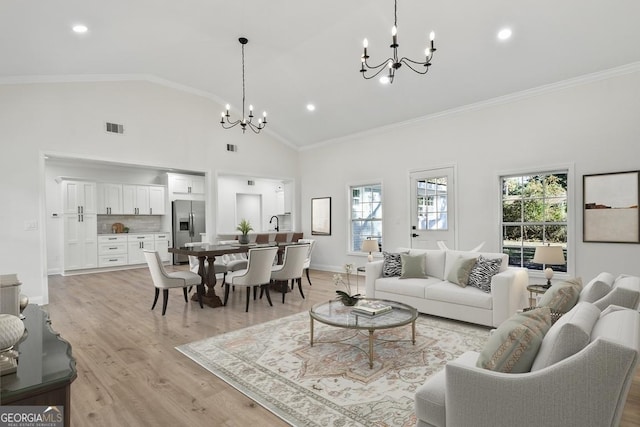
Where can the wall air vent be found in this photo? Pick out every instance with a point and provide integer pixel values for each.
(232, 147)
(115, 128)
(251, 182)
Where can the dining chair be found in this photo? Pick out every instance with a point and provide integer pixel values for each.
(281, 237)
(291, 268)
(262, 238)
(165, 281)
(296, 236)
(307, 262)
(257, 274)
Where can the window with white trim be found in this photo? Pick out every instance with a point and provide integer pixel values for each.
(366, 214)
(534, 212)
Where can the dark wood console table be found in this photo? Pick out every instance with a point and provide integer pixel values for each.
(46, 367)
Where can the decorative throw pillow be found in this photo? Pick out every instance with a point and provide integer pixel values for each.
(460, 270)
(413, 266)
(513, 347)
(392, 265)
(482, 272)
(562, 296)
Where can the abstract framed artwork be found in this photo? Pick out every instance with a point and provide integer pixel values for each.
(321, 216)
(610, 211)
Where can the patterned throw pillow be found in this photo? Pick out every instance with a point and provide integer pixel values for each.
(483, 271)
(513, 347)
(392, 265)
(562, 296)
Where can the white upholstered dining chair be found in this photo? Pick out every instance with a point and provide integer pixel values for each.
(257, 273)
(291, 268)
(165, 281)
(307, 261)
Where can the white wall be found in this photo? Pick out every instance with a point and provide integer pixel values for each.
(230, 186)
(593, 126)
(164, 127)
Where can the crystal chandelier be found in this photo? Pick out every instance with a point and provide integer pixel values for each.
(245, 121)
(393, 63)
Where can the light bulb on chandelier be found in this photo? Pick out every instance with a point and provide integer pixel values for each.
(244, 123)
(394, 63)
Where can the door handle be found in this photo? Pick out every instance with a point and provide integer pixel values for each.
(414, 235)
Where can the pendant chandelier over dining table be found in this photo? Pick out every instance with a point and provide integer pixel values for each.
(393, 63)
(245, 121)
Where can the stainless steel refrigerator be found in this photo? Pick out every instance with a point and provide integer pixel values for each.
(188, 223)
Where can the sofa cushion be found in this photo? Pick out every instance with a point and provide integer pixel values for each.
(454, 294)
(513, 347)
(435, 260)
(570, 334)
(413, 266)
(392, 265)
(482, 272)
(408, 287)
(460, 270)
(430, 397)
(562, 296)
(597, 288)
(608, 326)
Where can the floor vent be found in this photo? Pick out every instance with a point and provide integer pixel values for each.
(251, 182)
(115, 128)
(232, 147)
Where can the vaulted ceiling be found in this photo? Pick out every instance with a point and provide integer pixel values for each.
(302, 52)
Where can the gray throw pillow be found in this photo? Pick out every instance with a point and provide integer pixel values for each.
(562, 296)
(460, 270)
(482, 272)
(413, 266)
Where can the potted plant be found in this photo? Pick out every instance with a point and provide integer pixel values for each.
(345, 297)
(244, 227)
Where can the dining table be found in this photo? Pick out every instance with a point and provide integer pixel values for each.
(208, 252)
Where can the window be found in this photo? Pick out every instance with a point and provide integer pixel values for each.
(534, 212)
(432, 203)
(366, 214)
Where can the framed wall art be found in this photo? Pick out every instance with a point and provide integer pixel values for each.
(610, 211)
(321, 216)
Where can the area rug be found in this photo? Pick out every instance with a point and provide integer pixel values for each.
(331, 384)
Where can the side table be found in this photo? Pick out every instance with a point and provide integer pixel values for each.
(361, 269)
(538, 290)
(46, 367)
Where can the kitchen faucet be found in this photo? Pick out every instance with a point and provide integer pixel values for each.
(277, 223)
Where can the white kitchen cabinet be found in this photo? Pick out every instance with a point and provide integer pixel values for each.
(161, 244)
(112, 250)
(135, 199)
(187, 187)
(136, 244)
(110, 199)
(80, 241)
(157, 204)
(79, 197)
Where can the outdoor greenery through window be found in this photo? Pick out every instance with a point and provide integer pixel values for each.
(534, 212)
(366, 214)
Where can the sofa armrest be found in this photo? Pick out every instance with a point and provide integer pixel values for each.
(509, 292)
(373, 271)
(623, 297)
(588, 388)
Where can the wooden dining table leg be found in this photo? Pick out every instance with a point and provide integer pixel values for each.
(211, 299)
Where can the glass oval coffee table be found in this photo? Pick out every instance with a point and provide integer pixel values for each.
(334, 313)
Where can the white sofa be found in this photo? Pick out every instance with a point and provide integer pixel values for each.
(582, 380)
(435, 295)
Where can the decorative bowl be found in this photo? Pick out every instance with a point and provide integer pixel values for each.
(11, 330)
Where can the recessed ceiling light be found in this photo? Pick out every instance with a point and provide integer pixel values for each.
(504, 34)
(80, 29)
(311, 107)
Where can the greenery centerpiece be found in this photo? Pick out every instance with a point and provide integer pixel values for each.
(338, 280)
(244, 227)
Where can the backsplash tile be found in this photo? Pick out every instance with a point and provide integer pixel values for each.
(136, 223)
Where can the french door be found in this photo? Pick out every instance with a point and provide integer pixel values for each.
(433, 208)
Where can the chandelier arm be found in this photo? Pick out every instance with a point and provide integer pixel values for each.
(381, 69)
(230, 124)
(409, 63)
(406, 61)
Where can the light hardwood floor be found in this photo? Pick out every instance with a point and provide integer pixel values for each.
(129, 373)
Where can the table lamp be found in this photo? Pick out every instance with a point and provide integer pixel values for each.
(549, 255)
(369, 245)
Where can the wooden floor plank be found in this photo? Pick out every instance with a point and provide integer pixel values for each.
(129, 373)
